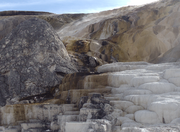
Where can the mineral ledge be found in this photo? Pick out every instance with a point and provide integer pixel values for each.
(128, 97)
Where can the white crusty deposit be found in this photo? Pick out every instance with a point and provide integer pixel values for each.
(136, 97)
(149, 92)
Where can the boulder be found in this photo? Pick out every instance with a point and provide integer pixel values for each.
(33, 59)
(8, 24)
(11, 19)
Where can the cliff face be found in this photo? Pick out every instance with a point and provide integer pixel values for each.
(136, 33)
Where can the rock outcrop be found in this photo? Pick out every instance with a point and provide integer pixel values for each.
(85, 54)
(133, 33)
(11, 19)
(130, 33)
(33, 59)
(39, 61)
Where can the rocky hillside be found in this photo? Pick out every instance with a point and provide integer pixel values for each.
(10, 19)
(134, 33)
(55, 76)
(130, 33)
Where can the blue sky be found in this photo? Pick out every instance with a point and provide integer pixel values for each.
(67, 6)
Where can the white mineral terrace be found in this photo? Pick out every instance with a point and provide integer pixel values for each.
(145, 98)
(149, 94)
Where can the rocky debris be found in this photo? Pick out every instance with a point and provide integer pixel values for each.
(84, 63)
(96, 107)
(84, 53)
(33, 59)
(82, 101)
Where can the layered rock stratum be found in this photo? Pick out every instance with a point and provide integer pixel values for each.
(91, 72)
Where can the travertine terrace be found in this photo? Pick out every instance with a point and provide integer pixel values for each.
(112, 71)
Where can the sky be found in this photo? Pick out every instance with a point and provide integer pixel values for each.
(67, 6)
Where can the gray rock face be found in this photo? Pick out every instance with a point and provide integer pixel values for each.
(96, 107)
(33, 59)
(8, 24)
